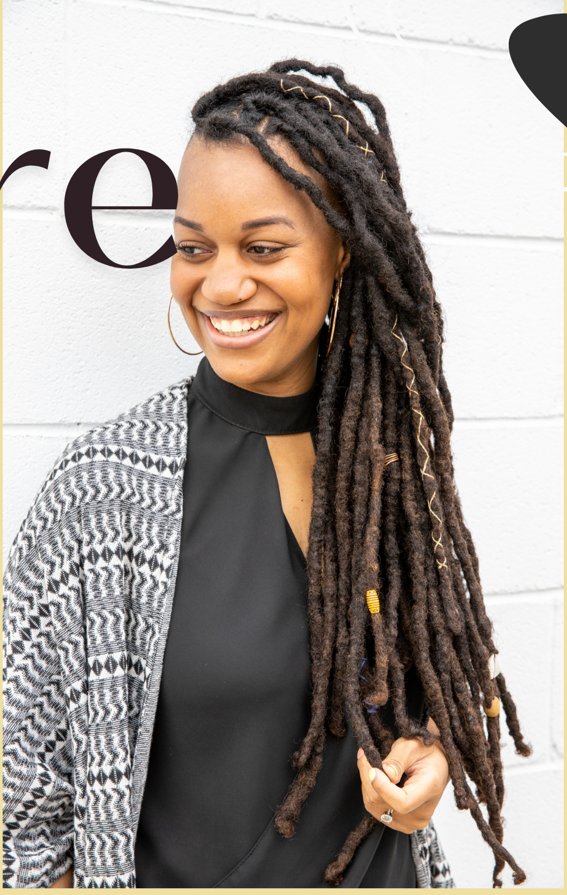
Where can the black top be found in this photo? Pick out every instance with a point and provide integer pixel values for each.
(235, 692)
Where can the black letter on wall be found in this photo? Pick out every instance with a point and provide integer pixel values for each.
(39, 158)
(79, 197)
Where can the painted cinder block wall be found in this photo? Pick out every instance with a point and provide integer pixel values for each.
(481, 165)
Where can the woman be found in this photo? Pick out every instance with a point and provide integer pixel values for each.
(246, 639)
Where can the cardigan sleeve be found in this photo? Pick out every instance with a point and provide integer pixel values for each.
(37, 756)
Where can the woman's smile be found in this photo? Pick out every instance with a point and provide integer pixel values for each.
(239, 330)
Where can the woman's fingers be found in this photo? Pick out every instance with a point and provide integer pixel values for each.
(402, 755)
(427, 775)
(393, 769)
(376, 804)
(401, 799)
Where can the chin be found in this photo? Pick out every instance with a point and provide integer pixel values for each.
(242, 371)
(270, 367)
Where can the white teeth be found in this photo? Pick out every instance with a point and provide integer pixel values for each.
(239, 324)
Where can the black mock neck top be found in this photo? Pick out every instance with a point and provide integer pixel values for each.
(235, 693)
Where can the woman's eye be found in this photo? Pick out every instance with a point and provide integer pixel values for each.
(265, 250)
(190, 251)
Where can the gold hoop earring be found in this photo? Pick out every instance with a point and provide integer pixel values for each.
(173, 337)
(334, 313)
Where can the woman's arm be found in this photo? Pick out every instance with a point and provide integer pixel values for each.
(38, 754)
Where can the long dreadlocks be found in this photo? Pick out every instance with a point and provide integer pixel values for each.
(395, 528)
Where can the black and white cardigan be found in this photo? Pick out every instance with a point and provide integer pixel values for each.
(88, 592)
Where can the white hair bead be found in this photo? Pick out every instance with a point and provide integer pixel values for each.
(493, 666)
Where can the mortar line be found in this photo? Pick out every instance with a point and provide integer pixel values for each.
(502, 598)
(465, 422)
(535, 768)
(444, 237)
(550, 421)
(338, 31)
(47, 430)
(431, 237)
(552, 595)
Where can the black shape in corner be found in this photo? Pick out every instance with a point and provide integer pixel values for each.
(538, 49)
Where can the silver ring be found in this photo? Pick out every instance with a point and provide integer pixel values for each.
(387, 816)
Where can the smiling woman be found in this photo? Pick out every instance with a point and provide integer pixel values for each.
(246, 637)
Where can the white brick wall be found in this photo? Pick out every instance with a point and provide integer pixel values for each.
(481, 164)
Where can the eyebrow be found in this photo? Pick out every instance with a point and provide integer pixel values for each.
(247, 225)
(191, 224)
(267, 222)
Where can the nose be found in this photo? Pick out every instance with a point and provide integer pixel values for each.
(227, 282)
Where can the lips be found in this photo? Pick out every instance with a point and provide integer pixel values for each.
(239, 330)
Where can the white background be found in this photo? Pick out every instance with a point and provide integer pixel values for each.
(481, 163)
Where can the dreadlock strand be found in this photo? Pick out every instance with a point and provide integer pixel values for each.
(372, 532)
(334, 872)
(522, 748)
(345, 517)
(286, 815)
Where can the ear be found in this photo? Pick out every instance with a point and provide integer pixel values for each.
(343, 259)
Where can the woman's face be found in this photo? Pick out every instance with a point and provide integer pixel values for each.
(255, 266)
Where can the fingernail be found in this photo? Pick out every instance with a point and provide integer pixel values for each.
(372, 774)
(360, 753)
(393, 768)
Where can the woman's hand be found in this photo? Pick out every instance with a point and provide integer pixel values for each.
(427, 775)
(65, 881)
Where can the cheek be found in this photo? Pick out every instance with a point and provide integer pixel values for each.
(183, 282)
(309, 303)
(183, 279)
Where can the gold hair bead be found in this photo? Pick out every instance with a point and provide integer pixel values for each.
(390, 458)
(372, 601)
(494, 708)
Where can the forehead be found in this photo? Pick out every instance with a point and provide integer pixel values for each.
(235, 173)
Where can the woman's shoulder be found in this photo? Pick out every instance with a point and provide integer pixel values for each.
(140, 449)
(155, 426)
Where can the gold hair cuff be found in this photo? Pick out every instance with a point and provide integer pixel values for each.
(390, 458)
(493, 709)
(372, 601)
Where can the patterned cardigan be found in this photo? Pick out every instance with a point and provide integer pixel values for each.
(88, 592)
